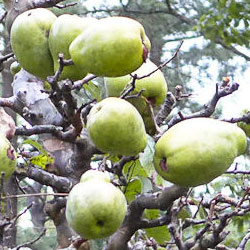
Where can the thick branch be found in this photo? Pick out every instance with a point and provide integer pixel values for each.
(61, 184)
(160, 200)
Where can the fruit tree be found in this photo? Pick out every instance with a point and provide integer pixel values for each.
(100, 139)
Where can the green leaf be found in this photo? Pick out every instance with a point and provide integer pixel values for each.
(94, 89)
(134, 169)
(41, 160)
(160, 234)
(133, 188)
(36, 145)
(146, 158)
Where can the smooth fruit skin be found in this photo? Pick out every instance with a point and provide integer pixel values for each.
(154, 86)
(29, 41)
(15, 68)
(195, 151)
(94, 175)
(243, 125)
(95, 209)
(116, 127)
(116, 46)
(7, 157)
(63, 31)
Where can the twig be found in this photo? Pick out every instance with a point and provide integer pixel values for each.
(78, 85)
(163, 64)
(32, 195)
(6, 57)
(33, 241)
(63, 6)
(22, 212)
(244, 242)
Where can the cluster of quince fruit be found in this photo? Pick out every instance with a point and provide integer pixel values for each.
(112, 46)
(191, 153)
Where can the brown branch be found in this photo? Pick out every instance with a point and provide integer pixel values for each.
(33, 241)
(32, 195)
(78, 85)
(160, 200)
(163, 64)
(60, 183)
(244, 242)
(209, 108)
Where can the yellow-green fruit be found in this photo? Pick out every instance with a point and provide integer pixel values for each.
(195, 151)
(29, 41)
(115, 126)
(116, 46)
(94, 175)
(243, 125)
(143, 106)
(15, 68)
(7, 157)
(95, 209)
(154, 86)
(63, 31)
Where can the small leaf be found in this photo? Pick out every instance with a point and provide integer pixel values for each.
(146, 158)
(94, 89)
(161, 233)
(36, 145)
(42, 160)
(133, 188)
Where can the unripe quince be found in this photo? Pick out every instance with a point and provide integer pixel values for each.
(115, 126)
(195, 151)
(63, 31)
(116, 46)
(243, 125)
(154, 86)
(7, 157)
(15, 68)
(94, 175)
(95, 209)
(29, 41)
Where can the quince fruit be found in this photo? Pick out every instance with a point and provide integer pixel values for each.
(116, 46)
(29, 40)
(7, 157)
(195, 151)
(95, 209)
(243, 125)
(15, 68)
(154, 87)
(63, 31)
(115, 126)
(94, 175)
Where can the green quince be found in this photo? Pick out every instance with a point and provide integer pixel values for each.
(95, 209)
(243, 125)
(195, 151)
(15, 68)
(154, 86)
(115, 126)
(63, 31)
(115, 46)
(7, 157)
(29, 40)
(94, 175)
